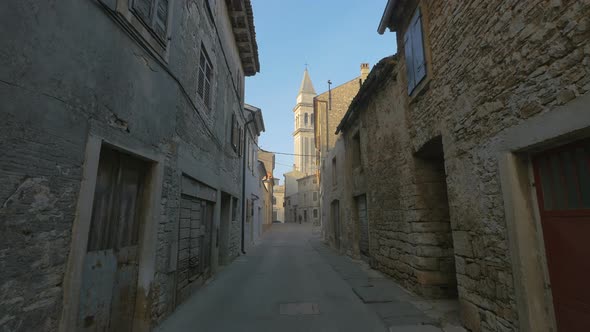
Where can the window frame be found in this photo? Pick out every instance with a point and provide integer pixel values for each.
(150, 24)
(234, 139)
(205, 74)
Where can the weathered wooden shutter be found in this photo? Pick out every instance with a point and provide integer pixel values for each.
(207, 91)
(161, 18)
(144, 9)
(418, 48)
(409, 59)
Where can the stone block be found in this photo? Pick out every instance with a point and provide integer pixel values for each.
(426, 263)
(434, 278)
(473, 270)
(470, 316)
(462, 244)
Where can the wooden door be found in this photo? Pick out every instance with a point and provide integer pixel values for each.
(194, 249)
(361, 204)
(109, 278)
(562, 179)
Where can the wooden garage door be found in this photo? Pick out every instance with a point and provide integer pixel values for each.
(562, 178)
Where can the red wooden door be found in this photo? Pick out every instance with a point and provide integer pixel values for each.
(562, 178)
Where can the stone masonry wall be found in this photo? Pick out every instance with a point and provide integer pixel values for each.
(490, 65)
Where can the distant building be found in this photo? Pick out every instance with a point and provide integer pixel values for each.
(329, 109)
(253, 190)
(305, 160)
(291, 194)
(267, 159)
(278, 203)
(308, 202)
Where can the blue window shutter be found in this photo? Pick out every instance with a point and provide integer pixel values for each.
(418, 48)
(409, 59)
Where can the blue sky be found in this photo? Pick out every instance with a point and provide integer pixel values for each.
(332, 36)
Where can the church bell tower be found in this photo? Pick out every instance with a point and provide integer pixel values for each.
(303, 136)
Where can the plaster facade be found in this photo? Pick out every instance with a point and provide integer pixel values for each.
(70, 89)
(279, 203)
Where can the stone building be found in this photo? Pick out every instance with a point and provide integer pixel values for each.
(308, 202)
(254, 192)
(267, 159)
(329, 108)
(482, 192)
(305, 161)
(278, 202)
(291, 196)
(121, 163)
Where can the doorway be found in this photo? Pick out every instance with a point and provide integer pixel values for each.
(223, 233)
(335, 212)
(110, 269)
(194, 248)
(562, 181)
(432, 198)
(361, 207)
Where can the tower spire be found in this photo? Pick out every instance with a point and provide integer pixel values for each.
(306, 85)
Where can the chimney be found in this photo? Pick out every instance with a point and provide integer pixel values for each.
(364, 71)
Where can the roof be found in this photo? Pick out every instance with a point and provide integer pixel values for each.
(242, 21)
(257, 119)
(387, 16)
(375, 81)
(307, 177)
(306, 85)
(295, 173)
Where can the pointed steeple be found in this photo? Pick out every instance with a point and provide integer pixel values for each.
(306, 85)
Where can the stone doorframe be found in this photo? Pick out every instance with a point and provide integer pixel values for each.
(514, 146)
(81, 227)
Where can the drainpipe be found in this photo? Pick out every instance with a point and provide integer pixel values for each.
(244, 183)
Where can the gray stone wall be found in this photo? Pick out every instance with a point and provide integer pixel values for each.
(69, 70)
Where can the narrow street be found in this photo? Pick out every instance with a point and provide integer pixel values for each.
(292, 282)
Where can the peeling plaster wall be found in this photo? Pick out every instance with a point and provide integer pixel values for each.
(67, 71)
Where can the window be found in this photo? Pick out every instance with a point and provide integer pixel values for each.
(315, 181)
(315, 196)
(311, 120)
(334, 177)
(414, 52)
(205, 77)
(235, 132)
(241, 141)
(274, 200)
(249, 155)
(356, 151)
(315, 213)
(305, 119)
(154, 14)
